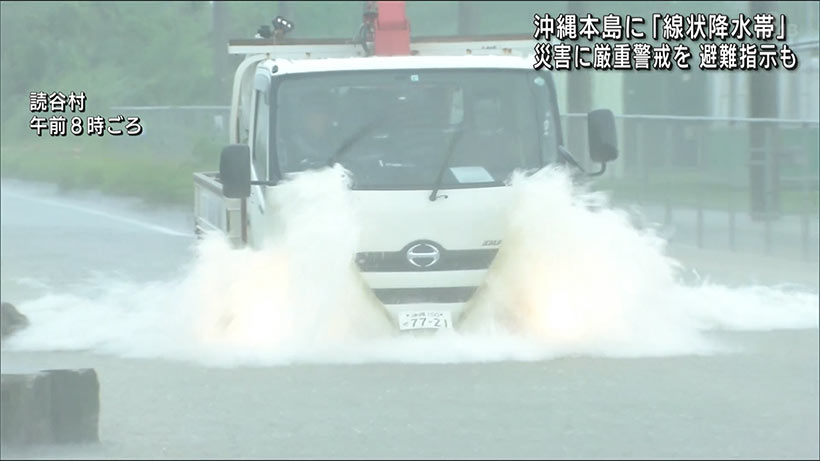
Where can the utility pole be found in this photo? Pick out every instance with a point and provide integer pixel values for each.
(764, 197)
(579, 99)
(220, 45)
(283, 9)
(467, 17)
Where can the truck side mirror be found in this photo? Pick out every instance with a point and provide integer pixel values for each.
(603, 140)
(235, 171)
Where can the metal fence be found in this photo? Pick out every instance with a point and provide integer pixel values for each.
(179, 131)
(726, 183)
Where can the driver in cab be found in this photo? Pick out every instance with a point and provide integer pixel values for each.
(309, 141)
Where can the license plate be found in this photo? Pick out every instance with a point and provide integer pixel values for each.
(415, 320)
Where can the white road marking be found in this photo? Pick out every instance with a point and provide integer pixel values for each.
(145, 225)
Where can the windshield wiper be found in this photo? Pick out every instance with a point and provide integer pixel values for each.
(353, 139)
(453, 141)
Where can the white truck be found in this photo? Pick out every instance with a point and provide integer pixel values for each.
(430, 131)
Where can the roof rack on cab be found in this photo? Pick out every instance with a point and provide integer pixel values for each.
(493, 45)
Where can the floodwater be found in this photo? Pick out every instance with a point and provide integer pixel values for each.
(717, 358)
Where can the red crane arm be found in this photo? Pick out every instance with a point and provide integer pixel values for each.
(391, 31)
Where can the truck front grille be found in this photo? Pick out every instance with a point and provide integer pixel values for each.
(451, 260)
(424, 295)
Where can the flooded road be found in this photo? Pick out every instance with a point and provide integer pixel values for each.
(58, 241)
(759, 403)
(756, 398)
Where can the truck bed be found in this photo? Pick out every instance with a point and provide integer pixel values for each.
(213, 211)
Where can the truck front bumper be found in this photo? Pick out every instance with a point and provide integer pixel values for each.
(425, 293)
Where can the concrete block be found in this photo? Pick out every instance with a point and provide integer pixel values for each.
(25, 409)
(11, 320)
(50, 406)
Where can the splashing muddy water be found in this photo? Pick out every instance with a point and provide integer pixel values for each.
(573, 277)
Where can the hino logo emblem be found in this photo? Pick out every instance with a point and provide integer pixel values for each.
(423, 255)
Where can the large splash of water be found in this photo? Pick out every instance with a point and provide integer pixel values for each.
(573, 277)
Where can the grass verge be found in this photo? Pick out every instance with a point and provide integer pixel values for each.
(154, 178)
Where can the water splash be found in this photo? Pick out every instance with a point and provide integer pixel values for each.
(573, 276)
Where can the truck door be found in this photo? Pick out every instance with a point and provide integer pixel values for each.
(259, 146)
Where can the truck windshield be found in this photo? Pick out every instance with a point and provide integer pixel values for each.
(393, 129)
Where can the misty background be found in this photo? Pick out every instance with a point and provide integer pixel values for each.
(723, 362)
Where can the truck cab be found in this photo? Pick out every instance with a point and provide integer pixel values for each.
(430, 143)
